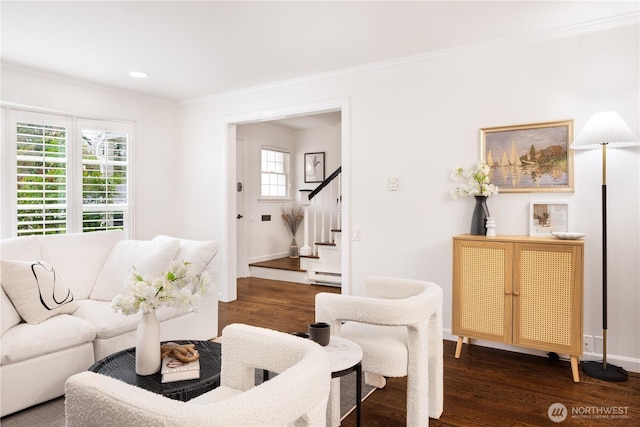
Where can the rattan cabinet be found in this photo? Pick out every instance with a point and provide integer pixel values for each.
(519, 290)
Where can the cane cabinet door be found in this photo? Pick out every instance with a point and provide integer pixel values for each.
(482, 278)
(547, 311)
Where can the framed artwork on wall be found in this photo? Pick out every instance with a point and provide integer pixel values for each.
(529, 158)
(548, 217)
(314, 167)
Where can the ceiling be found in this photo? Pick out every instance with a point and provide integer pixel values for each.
(193, 49)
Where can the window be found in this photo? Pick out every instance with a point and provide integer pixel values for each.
(41, 174)
(274, 174)
(104, 178)
(67, 184)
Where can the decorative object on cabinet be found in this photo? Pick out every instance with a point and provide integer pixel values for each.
(529, 158)
(548, 217)
(519, 290)
(491, 227)
(605, 129)
(314, 166)
(479, 216)
(568, 235)
(475, 182)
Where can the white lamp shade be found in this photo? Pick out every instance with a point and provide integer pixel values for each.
(605, 128)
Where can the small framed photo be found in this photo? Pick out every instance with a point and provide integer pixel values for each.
(314, 167)
(529, 158)
(547, 217)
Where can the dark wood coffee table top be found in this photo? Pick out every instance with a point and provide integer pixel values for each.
(121, 365)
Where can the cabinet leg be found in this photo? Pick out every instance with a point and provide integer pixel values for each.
(574, 369)
(459, 347)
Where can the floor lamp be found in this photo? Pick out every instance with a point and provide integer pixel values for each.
(605, 130)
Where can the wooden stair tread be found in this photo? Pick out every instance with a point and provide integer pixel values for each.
(291, 264)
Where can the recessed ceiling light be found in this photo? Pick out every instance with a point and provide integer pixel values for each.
(139, 74)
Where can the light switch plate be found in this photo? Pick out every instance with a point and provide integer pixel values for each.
(393, 183)
(355, 233)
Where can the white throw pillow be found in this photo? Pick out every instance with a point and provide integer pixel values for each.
(35, 290)
(198, 252)
(10, 316)
(79, 257)
(148, 258)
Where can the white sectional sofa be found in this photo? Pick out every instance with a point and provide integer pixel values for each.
(47, 338)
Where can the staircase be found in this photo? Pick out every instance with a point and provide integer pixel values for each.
(325, 267)
(321, 253)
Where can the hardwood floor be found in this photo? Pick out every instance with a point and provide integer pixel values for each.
(485, 387)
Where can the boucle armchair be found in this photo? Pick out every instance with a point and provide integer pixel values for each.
(398, 324)
(298, 395)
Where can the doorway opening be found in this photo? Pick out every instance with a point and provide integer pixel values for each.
(238, 237)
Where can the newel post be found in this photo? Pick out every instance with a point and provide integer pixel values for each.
(305, 202)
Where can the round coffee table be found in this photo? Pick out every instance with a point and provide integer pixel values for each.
(121, 365)
(345, 356)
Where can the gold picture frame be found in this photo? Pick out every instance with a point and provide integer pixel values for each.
(529, 158)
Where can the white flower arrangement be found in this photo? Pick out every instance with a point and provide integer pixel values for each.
(179, 287)
(473, 182)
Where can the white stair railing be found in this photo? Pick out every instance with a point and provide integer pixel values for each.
(320, 202)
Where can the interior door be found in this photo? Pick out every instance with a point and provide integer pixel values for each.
(241, 257)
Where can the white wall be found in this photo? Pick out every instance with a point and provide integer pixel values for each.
(322, 139)
(157, 179)
(420, 119)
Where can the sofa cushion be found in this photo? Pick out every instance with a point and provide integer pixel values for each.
(26, 341)
(107, 323)
(197, 252)
(79, 257)
(10, 316)
(35, 290)
(148, 258)
(25, 248)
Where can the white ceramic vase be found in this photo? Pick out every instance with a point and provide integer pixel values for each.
(491, 227)
(148, 345)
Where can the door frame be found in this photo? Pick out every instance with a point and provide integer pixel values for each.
(228, 287)
(241, 230)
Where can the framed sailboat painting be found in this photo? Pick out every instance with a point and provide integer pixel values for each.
(529, 158)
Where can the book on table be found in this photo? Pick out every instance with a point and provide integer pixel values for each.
(174, 369)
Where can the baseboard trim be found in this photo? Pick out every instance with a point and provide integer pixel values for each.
(628, 363)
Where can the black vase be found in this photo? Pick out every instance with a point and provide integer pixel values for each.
(479, 217)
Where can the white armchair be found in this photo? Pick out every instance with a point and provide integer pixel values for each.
(398, 324)
(298, 395)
